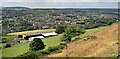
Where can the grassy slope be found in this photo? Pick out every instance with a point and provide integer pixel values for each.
(90, 31)
(21, 48)
(105, 45)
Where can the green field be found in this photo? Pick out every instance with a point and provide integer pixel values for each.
(52, 41)
(10, 38)
(15, 50)
(21, 48)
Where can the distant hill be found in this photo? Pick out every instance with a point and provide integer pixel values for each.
(16, 8)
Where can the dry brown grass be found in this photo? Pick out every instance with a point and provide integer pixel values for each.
(105, 45)
(31, 32)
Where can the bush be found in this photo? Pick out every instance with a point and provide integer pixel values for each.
(55, 49)
(37, 44)
(62, 45)
(28, 55)
(7, 45)
(43, 53)
(4, 40)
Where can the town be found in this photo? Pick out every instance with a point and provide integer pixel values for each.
(22, 18)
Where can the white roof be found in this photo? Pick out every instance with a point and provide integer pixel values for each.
(49, 34)
(31, 38)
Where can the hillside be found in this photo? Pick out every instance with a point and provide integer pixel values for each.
(105, 44)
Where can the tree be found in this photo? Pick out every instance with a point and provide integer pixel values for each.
(7, 45)
(37, 44)
(60, 29)
(71, 31)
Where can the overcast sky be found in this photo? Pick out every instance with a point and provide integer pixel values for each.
(61, 3)
(59, 0)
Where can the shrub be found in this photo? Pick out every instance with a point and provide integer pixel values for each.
(4, 40)
(52, 49)
(28, 55)
(43, 53)
(37, 44)
(62, 45)
(7, 45)
(55, 49)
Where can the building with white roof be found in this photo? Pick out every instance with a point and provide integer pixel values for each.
(31, 38)
(49, 34)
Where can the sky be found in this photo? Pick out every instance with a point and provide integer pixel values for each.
(61, 3)
(59, 0)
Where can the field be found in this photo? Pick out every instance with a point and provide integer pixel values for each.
(104, 45)
(15, 50)
(9, 38)
(20, 48)
(50, 41)
(30, 32)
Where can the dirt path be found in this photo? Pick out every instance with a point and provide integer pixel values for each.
(105, 44)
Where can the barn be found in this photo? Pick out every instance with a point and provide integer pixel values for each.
(43, 35)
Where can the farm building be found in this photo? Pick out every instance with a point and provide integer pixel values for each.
(30, 35)
(42, 35)
(31, 38)
(49, 34)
